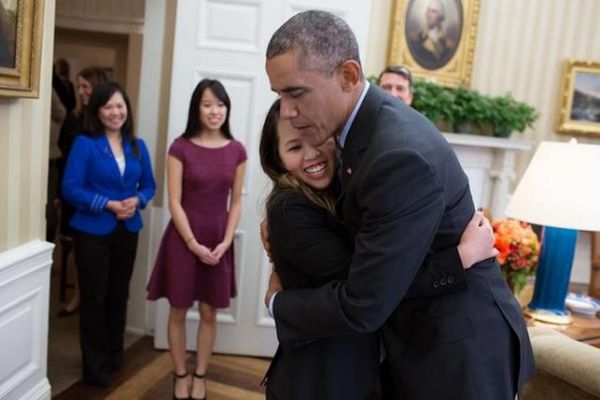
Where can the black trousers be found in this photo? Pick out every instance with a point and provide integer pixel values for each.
(104, 265)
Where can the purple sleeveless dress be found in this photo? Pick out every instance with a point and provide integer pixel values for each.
(178, 274)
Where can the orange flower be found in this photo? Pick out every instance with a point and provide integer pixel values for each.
(518, 248)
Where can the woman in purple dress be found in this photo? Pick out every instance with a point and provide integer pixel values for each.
(195, 260)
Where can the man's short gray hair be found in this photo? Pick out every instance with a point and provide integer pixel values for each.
(324, 41)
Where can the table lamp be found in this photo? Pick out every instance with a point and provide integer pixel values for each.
(561, 191)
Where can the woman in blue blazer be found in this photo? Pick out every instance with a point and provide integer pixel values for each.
(108, 178)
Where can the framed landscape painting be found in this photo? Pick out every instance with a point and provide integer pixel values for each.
(435, 39)
(579, 108)
(20, 47)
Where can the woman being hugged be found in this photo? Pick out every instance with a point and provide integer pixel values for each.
(310, 247)
(108, 179)
(195, 261)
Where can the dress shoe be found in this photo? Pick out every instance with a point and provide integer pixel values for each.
(97, 381)
(199, 377)
(115, 362)
(177, 376)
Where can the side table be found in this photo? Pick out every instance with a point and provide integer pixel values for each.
(583, 329)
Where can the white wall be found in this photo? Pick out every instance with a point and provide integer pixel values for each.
(24, 136)
(520, 48)
(25, 269)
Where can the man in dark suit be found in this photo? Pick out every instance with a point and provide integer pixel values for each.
(404, 196)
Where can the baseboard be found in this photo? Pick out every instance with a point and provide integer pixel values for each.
(41, 391)
(135, 331)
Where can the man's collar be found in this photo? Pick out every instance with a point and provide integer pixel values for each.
(342, 137)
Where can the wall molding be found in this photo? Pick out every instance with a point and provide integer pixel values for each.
(24, 296)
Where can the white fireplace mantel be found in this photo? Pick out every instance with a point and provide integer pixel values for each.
(489, 162)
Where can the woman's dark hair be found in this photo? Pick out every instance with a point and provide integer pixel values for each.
(194, 125)
(100, 96)
(272, 165)
(93, 75)
(269, 145)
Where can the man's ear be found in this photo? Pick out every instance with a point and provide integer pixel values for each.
(350, 75)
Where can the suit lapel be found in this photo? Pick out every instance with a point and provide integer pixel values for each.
(109, 158)
(359, 137)
(127, 152)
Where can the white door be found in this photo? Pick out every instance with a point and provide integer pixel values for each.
(226, 40)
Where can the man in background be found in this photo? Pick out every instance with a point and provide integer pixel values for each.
(397, 81)
(61, 82)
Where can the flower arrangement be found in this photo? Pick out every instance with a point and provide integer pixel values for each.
(519, 249)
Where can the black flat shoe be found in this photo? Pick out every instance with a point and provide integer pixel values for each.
(63, 312)
(175, 377)
(115, 362)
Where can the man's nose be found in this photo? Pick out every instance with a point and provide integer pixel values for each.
(287, 109)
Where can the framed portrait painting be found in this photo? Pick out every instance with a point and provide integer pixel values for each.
(435, 39)
(20, 47)
(579, 108)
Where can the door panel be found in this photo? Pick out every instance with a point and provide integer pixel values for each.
(226, 40)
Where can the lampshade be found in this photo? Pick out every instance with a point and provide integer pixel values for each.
(560, 188)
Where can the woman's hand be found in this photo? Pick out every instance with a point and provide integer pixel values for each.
(202, 252)
(123, 209)
(220, 249)
(116, 207)
(274, 286)
(477, 241)
(129, 207)
(264, 238)
(131, 202)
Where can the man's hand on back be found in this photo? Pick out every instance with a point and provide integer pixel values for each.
(477, 241)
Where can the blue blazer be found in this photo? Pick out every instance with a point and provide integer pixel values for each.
(92, 178)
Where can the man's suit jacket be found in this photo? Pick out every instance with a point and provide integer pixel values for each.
(404, 197)
(310, 248)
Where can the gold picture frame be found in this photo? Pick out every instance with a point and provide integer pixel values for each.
(20, 47)
(435, 39)
(579, 106)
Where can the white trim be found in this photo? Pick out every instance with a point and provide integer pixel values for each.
(24, 295)
(487, 141)
(41, 391)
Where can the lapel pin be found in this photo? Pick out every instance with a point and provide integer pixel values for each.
(349, 171)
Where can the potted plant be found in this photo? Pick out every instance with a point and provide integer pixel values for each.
(508, 115)
(432, 100)
(469, 109)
